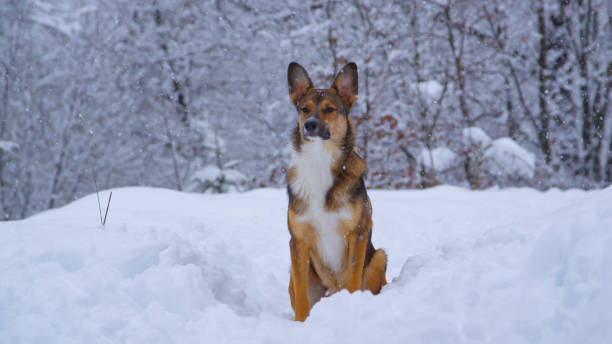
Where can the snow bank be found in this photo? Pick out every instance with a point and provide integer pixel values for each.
(505, 266)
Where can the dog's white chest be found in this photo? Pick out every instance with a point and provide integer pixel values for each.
(331, 243)
(312, 180)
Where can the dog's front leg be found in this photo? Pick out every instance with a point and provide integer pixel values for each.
(299, 278)
(357, 242)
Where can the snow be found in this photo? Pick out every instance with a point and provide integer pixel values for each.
(398, 54)
(61, 16)
(212, 179)
(440, 158)
(505, 266)
(506, 157)
(476, 136)
(8, 146)
(431, 89)
(502, 156)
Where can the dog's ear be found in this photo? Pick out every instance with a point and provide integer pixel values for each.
(299, 82)
(346, 84)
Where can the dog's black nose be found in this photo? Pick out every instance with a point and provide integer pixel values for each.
(311, 125)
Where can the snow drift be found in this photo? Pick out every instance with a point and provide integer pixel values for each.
(505, 266)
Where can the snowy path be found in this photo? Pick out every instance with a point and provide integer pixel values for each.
(503, 266)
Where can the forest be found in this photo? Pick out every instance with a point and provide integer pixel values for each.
(192, 95)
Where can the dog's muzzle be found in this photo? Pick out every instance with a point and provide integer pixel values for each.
(314, 128)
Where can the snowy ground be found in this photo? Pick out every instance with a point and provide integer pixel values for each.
(497, 266)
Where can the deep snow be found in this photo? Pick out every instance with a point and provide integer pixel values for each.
(503, 266)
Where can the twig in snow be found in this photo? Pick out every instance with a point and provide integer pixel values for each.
(107, 206)
(102, 221)
(93, 172)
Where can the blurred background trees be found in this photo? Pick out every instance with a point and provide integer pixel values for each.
(170, 93)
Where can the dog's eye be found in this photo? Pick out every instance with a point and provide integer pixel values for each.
(304, 109)
(329, 109)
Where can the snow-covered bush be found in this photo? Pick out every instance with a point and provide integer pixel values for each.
(498, 161)
(481, 160)
(504, 157)
(428, 89)
(438, 164)
(8, 147)
(221, 176)
(474, 136)
(212, 179)
(438, 159)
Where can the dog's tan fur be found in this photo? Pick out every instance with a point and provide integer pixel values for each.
(344, 207)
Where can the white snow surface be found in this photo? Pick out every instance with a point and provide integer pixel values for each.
(495, 266)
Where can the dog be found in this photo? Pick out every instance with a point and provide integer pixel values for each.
(330, 214)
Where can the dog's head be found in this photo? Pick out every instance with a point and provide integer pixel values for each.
(323, 114)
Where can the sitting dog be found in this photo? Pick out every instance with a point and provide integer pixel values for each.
(330, 215)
